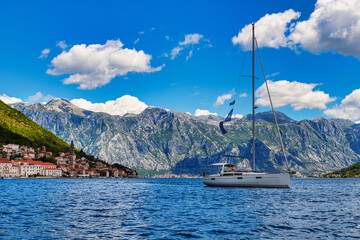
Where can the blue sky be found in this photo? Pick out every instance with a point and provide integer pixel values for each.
(154, 28)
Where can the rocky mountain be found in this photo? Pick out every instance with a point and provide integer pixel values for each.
(159, 140)
(269, 117)
(211, 119)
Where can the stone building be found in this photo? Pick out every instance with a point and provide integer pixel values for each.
(72, 156)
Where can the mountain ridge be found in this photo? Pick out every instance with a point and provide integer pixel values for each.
(171, 141)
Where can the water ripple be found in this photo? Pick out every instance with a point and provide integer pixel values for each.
(177, 209)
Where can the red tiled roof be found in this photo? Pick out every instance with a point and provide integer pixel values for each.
(4, 160)
(20, 161)
(35, 162)
(47, 164)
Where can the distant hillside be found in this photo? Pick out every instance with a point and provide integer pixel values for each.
(350, 172)
(16, 128)
(159, 140)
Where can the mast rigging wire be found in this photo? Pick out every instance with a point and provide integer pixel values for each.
(272, 107)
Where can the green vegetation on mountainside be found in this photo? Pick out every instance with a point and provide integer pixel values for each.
(350, 172)
(16, 128)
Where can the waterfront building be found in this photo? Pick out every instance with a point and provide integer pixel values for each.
(77, 172)
(51, 172)
(8, 169)
(67, 164)
(29, 168)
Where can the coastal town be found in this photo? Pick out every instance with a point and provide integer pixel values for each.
(27, 162)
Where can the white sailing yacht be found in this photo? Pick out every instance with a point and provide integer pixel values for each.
(229, 175)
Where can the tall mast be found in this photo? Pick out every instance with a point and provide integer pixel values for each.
(253, 93)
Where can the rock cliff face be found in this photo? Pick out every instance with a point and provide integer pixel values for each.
(159, 140)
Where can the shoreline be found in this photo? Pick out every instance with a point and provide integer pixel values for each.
(45, 177)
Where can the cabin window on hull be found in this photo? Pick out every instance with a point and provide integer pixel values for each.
(239, 178)
(258, 177)
(213, 179)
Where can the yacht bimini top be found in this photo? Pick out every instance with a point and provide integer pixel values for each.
(223, 164)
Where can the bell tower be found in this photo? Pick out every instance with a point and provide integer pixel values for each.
(72, 156)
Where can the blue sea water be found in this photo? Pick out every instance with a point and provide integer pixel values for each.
(177, 209)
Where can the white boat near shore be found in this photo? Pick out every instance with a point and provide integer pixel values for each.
(246, 178)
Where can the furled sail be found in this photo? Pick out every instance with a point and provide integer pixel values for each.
(227, 119)
(221, 125)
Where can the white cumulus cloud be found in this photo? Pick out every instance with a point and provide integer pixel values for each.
(243, 95)
(269, 31)
(296, 94)
(333, 26)
(349, 107)
(221, 99)
(190, 55)
(40, 97)
(8, 100)
(35, 97)
(44, 53)
(272, 75)
(62, 45)
(95, 65)
(202, 112)
(120, 106)
(239, 116)
(175, 52)
(48, 98)
(190, 40)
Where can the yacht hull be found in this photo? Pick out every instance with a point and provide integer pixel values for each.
(261, 180)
